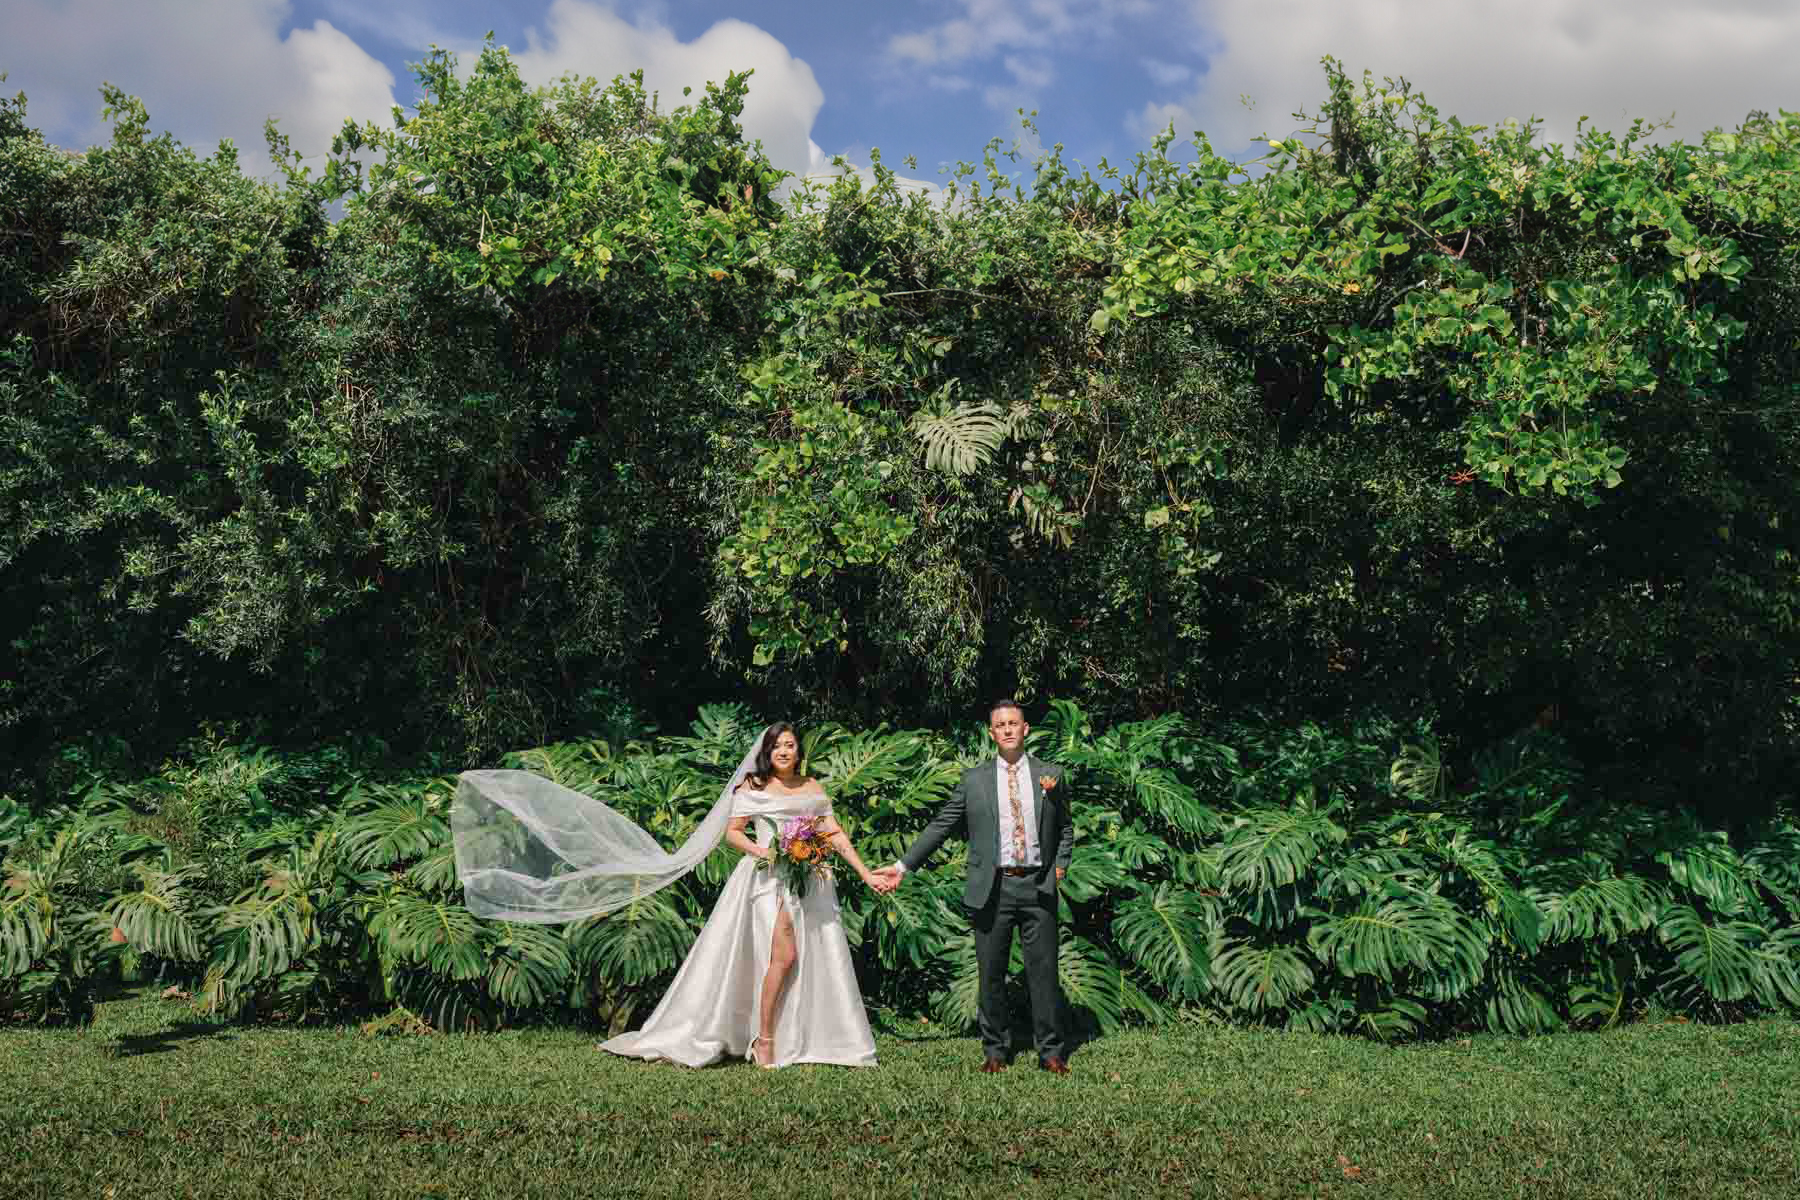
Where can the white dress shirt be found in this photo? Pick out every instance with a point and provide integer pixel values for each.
(1027, 809)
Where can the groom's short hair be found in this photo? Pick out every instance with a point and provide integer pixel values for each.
(1008, 702)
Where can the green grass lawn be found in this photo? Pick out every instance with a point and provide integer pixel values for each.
(148, 1103)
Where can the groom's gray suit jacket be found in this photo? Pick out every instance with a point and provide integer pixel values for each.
(973, 812)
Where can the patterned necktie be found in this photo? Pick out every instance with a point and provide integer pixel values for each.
(1018, 814)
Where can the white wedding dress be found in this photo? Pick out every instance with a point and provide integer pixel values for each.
(710, 1011)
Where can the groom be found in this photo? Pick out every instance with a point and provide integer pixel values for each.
(1013, 811)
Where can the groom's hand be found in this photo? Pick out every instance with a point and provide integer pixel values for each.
(885, 880)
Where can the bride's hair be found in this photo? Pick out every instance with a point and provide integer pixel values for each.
(764, 770)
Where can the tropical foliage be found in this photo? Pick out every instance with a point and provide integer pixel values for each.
(1313, 879)
(543, 411)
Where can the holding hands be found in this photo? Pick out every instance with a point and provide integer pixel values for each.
(885, 880)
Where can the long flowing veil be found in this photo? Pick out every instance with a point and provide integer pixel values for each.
(528, 849)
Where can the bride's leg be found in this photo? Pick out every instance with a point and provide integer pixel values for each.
(781, 961)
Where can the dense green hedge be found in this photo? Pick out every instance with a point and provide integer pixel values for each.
(547, 411)
(1310, 878)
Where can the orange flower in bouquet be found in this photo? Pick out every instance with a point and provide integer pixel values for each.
(801, 852)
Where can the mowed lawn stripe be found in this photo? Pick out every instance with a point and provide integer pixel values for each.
(148, 1102)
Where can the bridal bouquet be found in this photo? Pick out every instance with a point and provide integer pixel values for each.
(801, 851)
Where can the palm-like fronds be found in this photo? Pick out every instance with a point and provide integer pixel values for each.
(261, 934)
(28, 911)
(441, 936)
(1272, 847)
(1705, 864)
(912, 925)
(1064, 734)
(1136, 847)
(1389, 1016)
(395, 826)
(1495, 874)
(1586, 899)
(863, 762)
(528, 965)
(1516, 1002)
(639, 942)
(1728, 958)
(435, 874)
(1406, 930)
(579, 766)
(1160, 791)
(1167, 931)
(14, 817)
(957, 1005)
(1093, 871)
(1259, 977)
(718, 737)
(158, 917)
(1419, 774)
(959, 439)
(1092, 981)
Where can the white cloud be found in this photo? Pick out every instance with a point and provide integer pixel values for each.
(988, 28)
(592, 39)
(1710, 61)
(1034, 72)
(1167, 74)
(206, 69)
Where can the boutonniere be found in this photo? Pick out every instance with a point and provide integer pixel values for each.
(1048, 783)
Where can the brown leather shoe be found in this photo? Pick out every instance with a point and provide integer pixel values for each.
(992, 1066)
(1054, 1065)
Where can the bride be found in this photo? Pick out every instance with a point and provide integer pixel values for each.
(769, 976)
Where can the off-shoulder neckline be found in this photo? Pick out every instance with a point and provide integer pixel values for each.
(753, 791)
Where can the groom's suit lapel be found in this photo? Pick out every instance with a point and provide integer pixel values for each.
(1043, 805)
(988, 790)
(988, 801)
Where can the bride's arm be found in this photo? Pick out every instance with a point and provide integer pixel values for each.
(840, 841)
(736, 839)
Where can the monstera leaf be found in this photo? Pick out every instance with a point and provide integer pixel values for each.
(1404, 931)
(1273, 847)
(639, 942)
(1727, 958)
(1260, 977)
(959, 439)
(528, 966)
(1166, 932)
(393, 826)
(1588, 900)
(158, 917)
(443, 937)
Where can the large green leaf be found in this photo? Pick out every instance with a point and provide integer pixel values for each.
(1404, 931)
(1723, 957)
(395, 826)
(639, 942)
(158, 917)
(441, 936)
(528, 965)
(1260, 977)
(959, 439)
(1166, 931)
(1266, 848)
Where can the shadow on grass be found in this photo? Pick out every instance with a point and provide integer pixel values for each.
(171, 1037)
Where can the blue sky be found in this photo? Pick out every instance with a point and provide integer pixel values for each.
(939, 112)
(931, 78)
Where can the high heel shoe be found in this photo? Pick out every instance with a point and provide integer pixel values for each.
(751, 1053)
